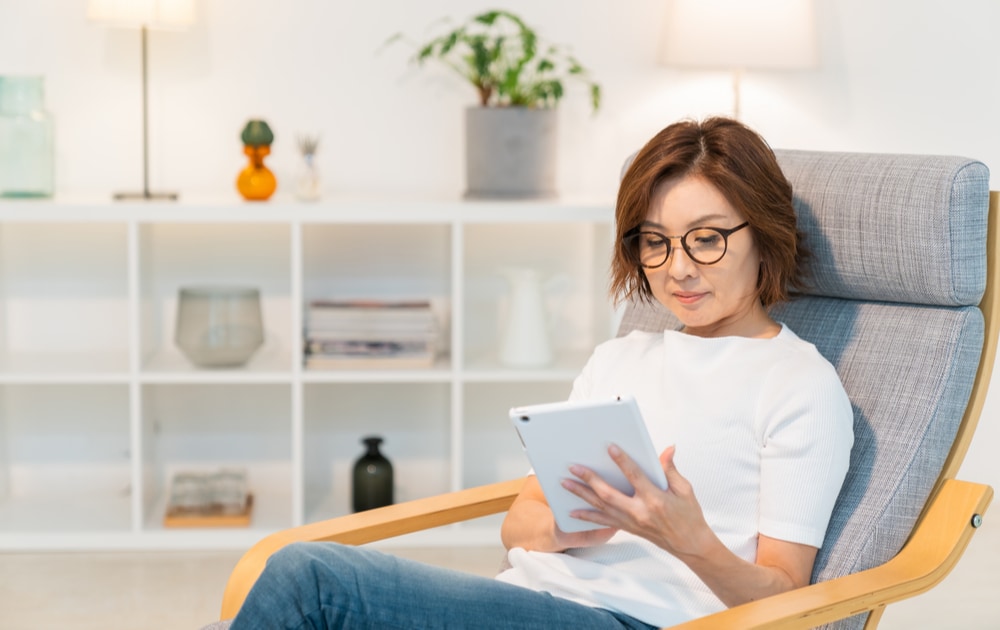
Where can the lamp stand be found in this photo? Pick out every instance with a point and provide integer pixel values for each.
(737, 75)
(145, 194)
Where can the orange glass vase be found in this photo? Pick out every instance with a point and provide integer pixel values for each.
(256, 182)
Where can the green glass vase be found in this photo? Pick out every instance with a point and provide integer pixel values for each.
(26, 139)
(372, 478)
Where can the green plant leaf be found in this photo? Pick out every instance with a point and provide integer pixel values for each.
(595, 96)
(449, 43)
(487, 18)
(498, 54)
(425, 52)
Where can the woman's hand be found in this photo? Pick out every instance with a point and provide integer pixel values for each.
(671, 519)
(590, 538)
(530, 524)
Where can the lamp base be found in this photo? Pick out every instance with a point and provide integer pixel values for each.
(145, 196)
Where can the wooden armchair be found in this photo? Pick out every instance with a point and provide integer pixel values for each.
(905, 305)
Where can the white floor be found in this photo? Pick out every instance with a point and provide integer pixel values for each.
(183, 590)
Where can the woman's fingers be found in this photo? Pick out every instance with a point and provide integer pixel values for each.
(603, 513)
(635, 475)
(593, 489)
(675, 479)
(584, 487)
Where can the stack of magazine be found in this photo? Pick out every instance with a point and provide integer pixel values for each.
(362, 334)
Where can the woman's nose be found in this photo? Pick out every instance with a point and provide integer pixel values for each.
(679, 263)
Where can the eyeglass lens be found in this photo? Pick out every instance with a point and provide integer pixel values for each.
(703, 245)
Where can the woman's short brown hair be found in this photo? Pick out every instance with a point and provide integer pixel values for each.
(740, 164)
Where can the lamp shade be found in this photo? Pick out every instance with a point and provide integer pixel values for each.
(740, 34)
(154, 14)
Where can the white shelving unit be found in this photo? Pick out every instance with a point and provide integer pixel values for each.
(98, 407)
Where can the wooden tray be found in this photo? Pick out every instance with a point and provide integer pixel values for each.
(185, 518)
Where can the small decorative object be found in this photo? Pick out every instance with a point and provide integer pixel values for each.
(511, 136)
(307, 184)
(256, 182)
(372, 478)
(219, 326)
(525, 342)
(209, 499)
(189, 493)
(26, 139)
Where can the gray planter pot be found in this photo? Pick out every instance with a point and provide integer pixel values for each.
(510, 153)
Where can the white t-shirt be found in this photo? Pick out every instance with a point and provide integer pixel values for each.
(763, 430)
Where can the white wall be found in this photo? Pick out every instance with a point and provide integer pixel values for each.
(915, 76)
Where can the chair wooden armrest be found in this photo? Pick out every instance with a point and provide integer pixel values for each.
(932, 551)
(369, 526)
(936, 545)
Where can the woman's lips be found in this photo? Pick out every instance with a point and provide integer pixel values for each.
(686, 297)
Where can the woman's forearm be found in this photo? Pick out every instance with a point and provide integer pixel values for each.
(530, 525)
(780, 566)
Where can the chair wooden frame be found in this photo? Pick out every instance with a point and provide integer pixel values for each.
(947, 524)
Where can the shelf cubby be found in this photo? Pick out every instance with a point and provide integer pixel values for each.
(573, 285)
(208, 427)
(64, 291)
(414, 421)
(64, 458)
(175, 255)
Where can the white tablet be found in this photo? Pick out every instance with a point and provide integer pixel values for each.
(558, 435)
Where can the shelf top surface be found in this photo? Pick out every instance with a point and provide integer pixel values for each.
(334, 209)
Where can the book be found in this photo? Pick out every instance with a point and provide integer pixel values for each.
(370, 316)
(367, 334)
(367, 347)
(400, 361)
(370, 304)
(363, 309)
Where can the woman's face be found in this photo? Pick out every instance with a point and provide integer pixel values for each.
(710, 300)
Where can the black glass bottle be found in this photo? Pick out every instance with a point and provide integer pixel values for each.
(372, 478)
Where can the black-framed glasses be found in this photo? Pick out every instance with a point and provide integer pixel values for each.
(704, 245)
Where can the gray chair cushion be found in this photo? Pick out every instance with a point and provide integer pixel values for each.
(908, 371)
(895, 228)
(896, 314)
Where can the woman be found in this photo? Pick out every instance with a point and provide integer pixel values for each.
(754, 427)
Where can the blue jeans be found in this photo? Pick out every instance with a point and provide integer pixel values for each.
(326, 585)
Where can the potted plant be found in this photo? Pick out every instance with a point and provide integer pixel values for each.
(511, 134)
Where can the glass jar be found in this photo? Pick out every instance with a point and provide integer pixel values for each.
(307, 184)
(27, 159)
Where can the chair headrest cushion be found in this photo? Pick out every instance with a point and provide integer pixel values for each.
(894, 228)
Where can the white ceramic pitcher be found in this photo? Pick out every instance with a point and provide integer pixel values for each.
(525, 341)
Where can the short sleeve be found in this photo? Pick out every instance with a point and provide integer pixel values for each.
(583, 383)
(807, 434)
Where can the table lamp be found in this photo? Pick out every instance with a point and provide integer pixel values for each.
(144, 15)
(738, 35)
